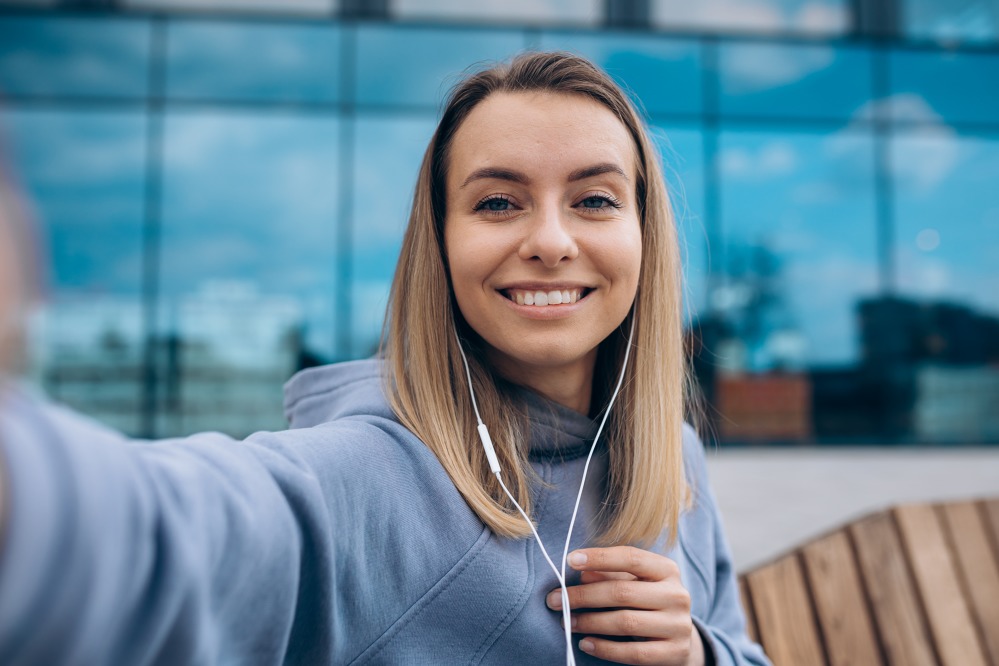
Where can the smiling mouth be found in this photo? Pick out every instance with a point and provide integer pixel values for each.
(541, 298)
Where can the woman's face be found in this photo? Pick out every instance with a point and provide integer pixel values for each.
(542, 231)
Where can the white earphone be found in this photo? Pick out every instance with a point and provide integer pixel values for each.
(494, 466)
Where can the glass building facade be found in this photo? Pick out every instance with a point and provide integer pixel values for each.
(223, 199)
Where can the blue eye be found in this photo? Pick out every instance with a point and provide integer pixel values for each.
(594, 202)
(497, 204)
(599, 202)
(494, 205)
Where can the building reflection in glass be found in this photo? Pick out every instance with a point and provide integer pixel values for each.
(220, 215)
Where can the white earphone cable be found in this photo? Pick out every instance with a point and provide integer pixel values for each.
(494, 466)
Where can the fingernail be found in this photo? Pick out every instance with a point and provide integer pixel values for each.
(555, 600)
(586, 645)
(577, 559)
(572, 621)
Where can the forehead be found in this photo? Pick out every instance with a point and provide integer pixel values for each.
(546, 132)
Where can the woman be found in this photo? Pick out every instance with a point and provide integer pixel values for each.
(540, 246)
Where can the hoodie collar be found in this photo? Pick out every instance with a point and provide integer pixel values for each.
(556, 430)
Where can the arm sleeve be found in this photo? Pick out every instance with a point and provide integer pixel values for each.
(195, 551)
(723, 629)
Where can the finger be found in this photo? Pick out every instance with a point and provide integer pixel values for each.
(640, 563)
(596, 576)
(623, 594)
(639, 652)
(634, 623)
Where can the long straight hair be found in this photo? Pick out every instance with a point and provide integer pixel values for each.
(425, 381)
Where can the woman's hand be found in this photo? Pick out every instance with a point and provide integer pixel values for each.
(639, 595)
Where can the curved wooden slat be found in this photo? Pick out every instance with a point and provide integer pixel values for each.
(939, 588)
(842, 610)
(978, 568)
(783, 612)
(894, 603)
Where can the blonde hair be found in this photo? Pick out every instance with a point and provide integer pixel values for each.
(646, 489)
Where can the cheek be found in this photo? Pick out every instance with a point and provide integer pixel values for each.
(623, 256)
(469, 264)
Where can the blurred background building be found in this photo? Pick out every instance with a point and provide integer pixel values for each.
(225, 185)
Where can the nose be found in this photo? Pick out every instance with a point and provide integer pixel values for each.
(549, 238)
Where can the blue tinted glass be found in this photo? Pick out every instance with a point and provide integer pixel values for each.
(966, 21)
(86, 174)
(682, 149)
(946, 251)
(797, 81)
(953, 87)
(74, 56)
(664, 74)
(947, 212)
(809, 17)
(536, 11)
(249, 255)
(388, 152)
(798, 221)
(253, 61)
(417, 66)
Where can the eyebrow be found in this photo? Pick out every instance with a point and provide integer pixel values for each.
(518, 177)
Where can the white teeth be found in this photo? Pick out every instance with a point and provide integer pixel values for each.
(545, 298)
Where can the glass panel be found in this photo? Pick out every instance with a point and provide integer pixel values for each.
(682, 149)
(309, 7)
(387, 160)
(799, 230)
(86, 174)
(812, 17)
(929, 87)
(799, 81)
(250, 209)
(937, 343)
(81, 57)
(961, 21)
(253, 61)
(512, 11)
(416, 66)
(655, 69)
(947, 212)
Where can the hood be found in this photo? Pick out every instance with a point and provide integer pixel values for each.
(327, 392)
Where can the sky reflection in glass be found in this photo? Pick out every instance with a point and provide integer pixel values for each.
(945, 21)
(804, 202)
(947, 212)
(415, 67)
(250, 204)
(85, 172)
(793, 81)
(682, 150)
(528, 11)
(253, 61)
(933, 88)
(74, 57)
(663, 75)
(387, 156)
(810, 17)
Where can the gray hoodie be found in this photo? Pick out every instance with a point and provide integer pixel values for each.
(340, 541)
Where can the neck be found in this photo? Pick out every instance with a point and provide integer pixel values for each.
(570, 385)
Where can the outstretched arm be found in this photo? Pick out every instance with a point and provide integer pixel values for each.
(202, 550)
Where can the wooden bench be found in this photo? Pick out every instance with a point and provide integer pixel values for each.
(910, 586)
